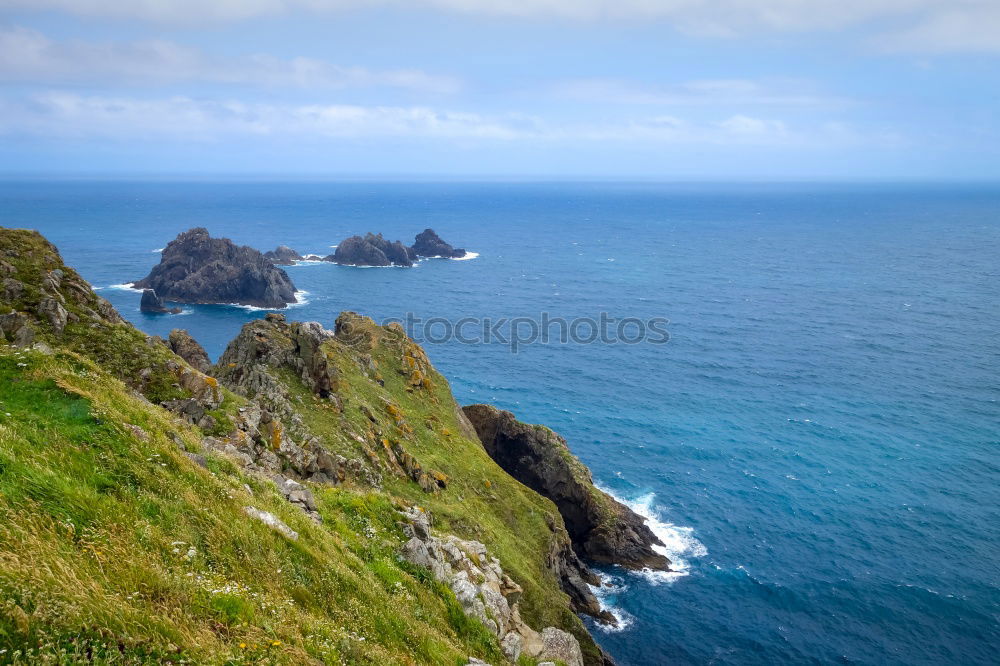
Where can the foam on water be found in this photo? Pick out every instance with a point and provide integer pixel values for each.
(467, 257)
(300, 295)
(607, 595)
(124, 286)
(679, 542)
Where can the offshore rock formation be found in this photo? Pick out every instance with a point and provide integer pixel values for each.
(196, 268)
(372, 250)
(485, 592)
(429, 244)
(153, 304)
(283, 256)
(603, 530)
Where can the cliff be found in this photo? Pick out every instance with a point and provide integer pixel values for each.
(603, 530)
(196, 268)
(264, 512)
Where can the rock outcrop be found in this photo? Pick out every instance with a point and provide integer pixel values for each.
(283, 256)
(182, 344)
(196, 268)
(485, 592)
(429, 244)
(153, 304)
(603, 530)
(372, 250)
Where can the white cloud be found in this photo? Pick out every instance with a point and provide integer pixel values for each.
(29, 56)
(715, 92)
(61, 115)
(922, 25)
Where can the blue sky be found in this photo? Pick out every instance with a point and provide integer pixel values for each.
(659, 89)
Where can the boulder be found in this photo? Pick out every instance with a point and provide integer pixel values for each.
(196, 268)
(602, 529)
(429, 244)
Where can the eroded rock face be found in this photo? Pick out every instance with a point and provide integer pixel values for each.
(602, 529)
(196, 268)
(372, 250)
(429, 244)
(283, 256)
(485, 592)
(270, 431)
(182, 344)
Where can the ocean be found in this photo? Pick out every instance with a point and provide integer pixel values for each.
(817, 443)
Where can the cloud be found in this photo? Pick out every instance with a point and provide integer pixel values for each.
(62, 115)
(919, 25)
(954, 30)
(714, 92)
(29, 56)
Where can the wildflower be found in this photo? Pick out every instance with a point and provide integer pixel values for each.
(243, 646)
(275, 643)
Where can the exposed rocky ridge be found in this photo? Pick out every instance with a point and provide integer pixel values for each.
(283, 256)
(263, 431)
(429, 244)
(182, 344)
(196, 268)
(485, 592)
(372, 250)
(603, 530)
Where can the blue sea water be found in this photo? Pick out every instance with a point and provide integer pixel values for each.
(817, 443)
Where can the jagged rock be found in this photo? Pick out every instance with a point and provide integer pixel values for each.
(485, 592)
(574, 577)
(196, 268)
(429, 244)
(271, 521)
(153, 304)
(54, 312)
(371, 250)
(602, 529)
(16, 327)
(283, 256)
(12, 289)
(182, 344)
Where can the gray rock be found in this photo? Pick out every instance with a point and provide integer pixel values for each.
(283, 256)
(372, 250)
(429, 244)
(153, 304)
(271, 521)
(196, 268)
(54, 312)
(602, 529)
(182, 344)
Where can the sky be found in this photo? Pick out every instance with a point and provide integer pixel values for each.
(619, 89)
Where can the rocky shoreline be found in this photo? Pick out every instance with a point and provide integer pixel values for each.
(496, 511)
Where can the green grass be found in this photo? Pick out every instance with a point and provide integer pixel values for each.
(116, 548)
(96, 527)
